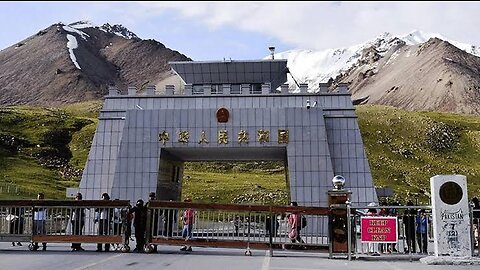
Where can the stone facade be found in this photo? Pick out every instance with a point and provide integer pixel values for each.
(142, 141)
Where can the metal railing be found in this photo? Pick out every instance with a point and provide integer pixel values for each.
(475, 232)
(411, 239)
(46, 221)
(241, 226)
(15, 221)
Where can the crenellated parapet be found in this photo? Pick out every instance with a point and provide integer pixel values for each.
(227, 90)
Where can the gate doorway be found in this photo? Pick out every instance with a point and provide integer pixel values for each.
(233, 182)
(229, 175)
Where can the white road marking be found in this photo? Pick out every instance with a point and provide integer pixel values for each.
(392, 266)
(99, 262)
(290, 268)
(266, 261)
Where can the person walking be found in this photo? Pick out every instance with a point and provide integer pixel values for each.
(295, 224)
(188, 219)
(40, 215)
(103, 218)
(78, 222)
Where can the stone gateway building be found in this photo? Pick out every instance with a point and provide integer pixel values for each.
(229, 111)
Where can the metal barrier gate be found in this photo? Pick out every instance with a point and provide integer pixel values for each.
(15, 220)
(47, 221)
(414, 231)
(241, 226)
(475, 232)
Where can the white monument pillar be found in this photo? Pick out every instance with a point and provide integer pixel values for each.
(450, 209)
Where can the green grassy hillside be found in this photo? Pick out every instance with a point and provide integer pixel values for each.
(405, 149)
(46, 149)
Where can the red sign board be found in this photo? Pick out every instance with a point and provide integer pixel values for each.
(379, 229)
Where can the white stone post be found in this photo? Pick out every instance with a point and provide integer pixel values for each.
(450, 213)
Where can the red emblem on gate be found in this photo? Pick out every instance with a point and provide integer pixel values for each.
(222, 115)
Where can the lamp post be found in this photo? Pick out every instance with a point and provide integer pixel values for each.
(272, 51)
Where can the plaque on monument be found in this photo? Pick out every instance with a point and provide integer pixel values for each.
(451, 193)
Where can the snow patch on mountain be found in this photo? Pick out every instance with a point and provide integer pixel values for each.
(73, 30)
(82, 25)
(118, 30)
(418, 37)
(71, 45)
(314, 67)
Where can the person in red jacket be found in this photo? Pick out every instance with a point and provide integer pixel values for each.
(188, 218)
(294, 222)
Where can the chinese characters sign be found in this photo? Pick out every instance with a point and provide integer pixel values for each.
(263, 136)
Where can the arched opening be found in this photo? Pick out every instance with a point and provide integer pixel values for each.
(236, 182)
(227, 175)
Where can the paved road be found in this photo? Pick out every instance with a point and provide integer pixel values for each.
(58, 256)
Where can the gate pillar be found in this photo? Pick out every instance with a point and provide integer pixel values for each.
(337, 201)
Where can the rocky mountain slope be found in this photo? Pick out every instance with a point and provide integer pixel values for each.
(418, 71)
(70, 63)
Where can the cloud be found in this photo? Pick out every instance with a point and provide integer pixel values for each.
(320, 25)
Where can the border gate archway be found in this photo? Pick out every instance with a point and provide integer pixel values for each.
(228, 111)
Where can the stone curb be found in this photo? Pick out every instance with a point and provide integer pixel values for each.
(445, 260)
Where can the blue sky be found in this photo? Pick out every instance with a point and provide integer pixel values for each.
(244, 30)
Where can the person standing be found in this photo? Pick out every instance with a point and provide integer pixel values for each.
(154, 218)
(17, 222)
(409, 224)
(372, 247)
(476, 222)
(188, 218)
(78, 222)
(422, 231)
(139, 222)
(236, 224)
(103, 217)
(39, 222)
(117, 224)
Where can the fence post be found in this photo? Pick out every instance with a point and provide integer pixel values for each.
(248, 252)
(271, 231)
(149, 228)
(472, 233)
(349, 230)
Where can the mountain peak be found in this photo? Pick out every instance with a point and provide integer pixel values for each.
(118, 30)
